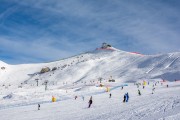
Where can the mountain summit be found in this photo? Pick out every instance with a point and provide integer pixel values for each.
(106, 46)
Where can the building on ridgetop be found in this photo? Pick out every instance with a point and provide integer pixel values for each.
(105, 45)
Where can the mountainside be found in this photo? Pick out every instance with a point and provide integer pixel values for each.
(95, 74)
(122, 66)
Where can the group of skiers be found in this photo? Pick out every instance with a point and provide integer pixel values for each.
(90, 102)
(126, 97)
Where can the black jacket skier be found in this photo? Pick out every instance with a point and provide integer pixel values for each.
(110, 95)
(90, 102)
(39, 106)
(124, 98)
(139, 92)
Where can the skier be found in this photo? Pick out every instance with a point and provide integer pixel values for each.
(39, 106)
(127, 97)
(139, 92)
(143, 86)
(75, 97)
(167, 86)
(90, 102)
(122, 88)
(124, 98)
(153, 90)
(83, 98)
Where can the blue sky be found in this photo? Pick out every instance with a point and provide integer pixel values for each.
(33, 31)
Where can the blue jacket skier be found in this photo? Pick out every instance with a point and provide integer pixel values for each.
(127, 97)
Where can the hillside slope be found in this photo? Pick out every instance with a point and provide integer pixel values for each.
(122, 66)
(22, 87)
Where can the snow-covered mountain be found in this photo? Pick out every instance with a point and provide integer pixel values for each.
(103, 62)
(22, 87)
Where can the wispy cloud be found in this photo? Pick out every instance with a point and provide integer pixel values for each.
(48, 30)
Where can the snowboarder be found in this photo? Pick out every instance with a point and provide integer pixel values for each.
(110, 95)
(124, 98)
(39, 106)
(127, 97)
(139, 92)
(90, 102)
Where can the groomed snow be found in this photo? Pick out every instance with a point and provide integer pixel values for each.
(163, 104)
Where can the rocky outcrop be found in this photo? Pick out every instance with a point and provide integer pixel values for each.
(44, 70)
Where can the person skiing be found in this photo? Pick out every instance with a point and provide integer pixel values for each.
(75, 97)
(127, 97)
(143, 86)
(83, 98)
(90, 102)
(124, 98)
(39, 106)
(167, 86)
(110, 95)
(153, 90)
(139, 92)
(122, 88)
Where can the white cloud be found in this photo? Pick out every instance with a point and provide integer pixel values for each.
(146, 26)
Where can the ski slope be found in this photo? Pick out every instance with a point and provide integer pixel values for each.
(163, 104)
(79, 76)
